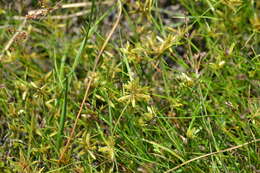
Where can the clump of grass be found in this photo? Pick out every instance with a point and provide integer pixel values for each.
(170, 87)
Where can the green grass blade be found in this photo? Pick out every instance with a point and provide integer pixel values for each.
(63, 116)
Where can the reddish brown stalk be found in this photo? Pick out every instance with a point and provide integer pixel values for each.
(90, 81)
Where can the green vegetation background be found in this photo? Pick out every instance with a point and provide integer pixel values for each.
(178, 79)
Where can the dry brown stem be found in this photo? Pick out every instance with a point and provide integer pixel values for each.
(90, 82)
(213, 153)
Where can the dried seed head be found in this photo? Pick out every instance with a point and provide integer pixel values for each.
(21, 36)
(36, 14)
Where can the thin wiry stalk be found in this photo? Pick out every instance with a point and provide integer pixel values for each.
(213, 153)
(10, 42)
(91, 80)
